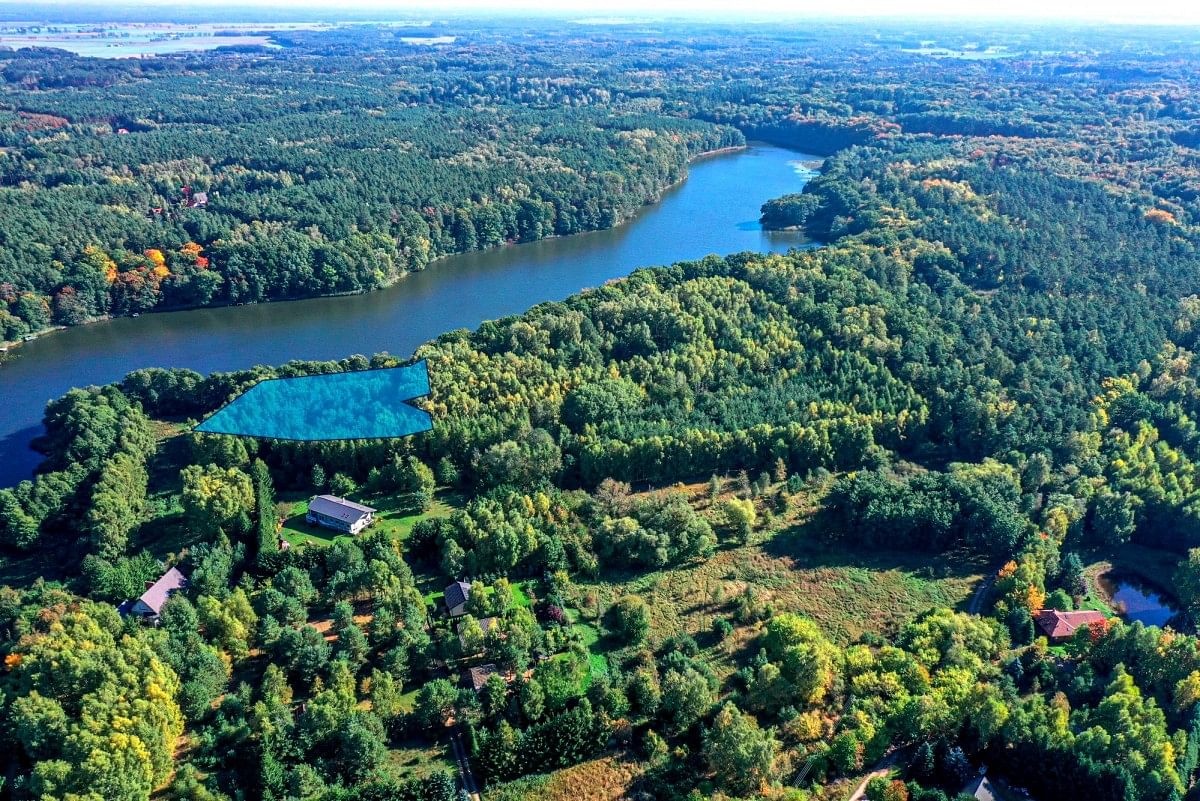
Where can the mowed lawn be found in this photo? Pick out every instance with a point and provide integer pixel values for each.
(391, 517)
(520, 593)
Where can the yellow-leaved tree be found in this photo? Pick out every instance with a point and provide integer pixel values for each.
(92, 707)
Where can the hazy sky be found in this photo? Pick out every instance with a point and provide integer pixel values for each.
(1181, 11)
(1160, 11)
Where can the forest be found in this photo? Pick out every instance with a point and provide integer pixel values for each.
(752, 526)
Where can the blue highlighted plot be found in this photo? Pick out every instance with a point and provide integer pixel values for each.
(368, 404)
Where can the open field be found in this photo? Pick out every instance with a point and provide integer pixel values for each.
(604, 779)
(848, 594)
(417, 759)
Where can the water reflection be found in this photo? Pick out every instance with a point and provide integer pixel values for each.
(1137, 601)
(706, 214)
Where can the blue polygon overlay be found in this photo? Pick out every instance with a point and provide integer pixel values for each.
(367, 404)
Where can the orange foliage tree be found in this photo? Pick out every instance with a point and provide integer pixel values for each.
(1160, 216)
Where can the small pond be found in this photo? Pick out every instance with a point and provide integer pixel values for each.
(1137, 600)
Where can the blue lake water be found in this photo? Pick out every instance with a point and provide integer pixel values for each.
(1137, 601)
(714, 211)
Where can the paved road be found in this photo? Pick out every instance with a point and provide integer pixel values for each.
(462, 759)
(975, 607)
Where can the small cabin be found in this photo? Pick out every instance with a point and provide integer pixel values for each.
(477, 677)
(149, 606)
(456, 596)
(339, 514)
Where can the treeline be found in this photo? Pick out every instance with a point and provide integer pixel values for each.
(340, 179)
(94, 481)
(311, 191)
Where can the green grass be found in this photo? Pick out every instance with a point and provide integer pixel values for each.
(848, 593)
(591, 639)
(392, 517)
(297, 530)
(24, 570)
(408, 701)
(417, 759)
(520, 594)
(520, 789)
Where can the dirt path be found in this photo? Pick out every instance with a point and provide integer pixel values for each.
(861, 791)
(882, 768)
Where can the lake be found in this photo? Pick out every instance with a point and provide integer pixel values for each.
(1136, 600)
(714, 211)
(140, 40)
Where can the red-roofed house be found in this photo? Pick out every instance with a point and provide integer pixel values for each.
(1060, 625)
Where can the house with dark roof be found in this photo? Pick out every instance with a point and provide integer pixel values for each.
(339, 514)
(456, 596)
(1059, 625)
(477, 676)
(149, 606)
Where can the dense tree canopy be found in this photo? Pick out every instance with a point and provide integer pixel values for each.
(988, 367)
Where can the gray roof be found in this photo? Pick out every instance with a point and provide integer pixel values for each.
(485, 623)
(161, 590)
(981, 789)
(457, 593)
(338, 508)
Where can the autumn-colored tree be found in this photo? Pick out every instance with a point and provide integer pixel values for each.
(91, 707)
(1160, 216)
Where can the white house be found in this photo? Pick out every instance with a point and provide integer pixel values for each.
(339, 514)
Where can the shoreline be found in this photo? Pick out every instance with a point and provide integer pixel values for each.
(507, 282)
(10, 347)
(1095, 587)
